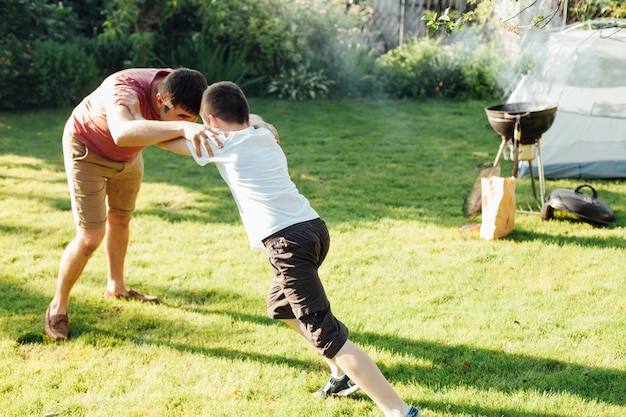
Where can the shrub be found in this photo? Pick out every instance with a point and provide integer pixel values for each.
(426, 68)
(299, 84)
(64, 73)
(280, 36)
(110, 56)
(353, 73)
(235, 25)
(331, 39)
(16, 74)
(218, 62)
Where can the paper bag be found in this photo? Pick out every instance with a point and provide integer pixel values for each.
(498, 207)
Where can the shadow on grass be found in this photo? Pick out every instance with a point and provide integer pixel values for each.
(563, 240)
(449, 365)
(484, 369)
(474, 410)
(452, 366)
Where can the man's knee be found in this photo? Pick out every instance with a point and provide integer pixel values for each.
(117, 220)
(89, 239)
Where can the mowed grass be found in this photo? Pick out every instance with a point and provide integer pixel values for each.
(529, 325)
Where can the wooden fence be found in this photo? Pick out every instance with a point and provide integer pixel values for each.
(400, 20)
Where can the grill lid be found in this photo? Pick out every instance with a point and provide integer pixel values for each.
(587, 207)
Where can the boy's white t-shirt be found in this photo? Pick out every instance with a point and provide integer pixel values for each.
(255, 169)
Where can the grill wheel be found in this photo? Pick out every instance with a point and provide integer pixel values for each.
(547, 212)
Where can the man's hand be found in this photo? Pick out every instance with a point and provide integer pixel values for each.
(199, 135)
(257, 122)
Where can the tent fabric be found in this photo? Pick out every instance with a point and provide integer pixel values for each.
(583, 72)
(582, 148)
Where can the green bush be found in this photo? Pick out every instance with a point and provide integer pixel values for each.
(17, 75)
(297, 84)
(331, 39)
(41, 63)
(64, 73)
(280, 37)
(427, 68)
(235, 25)
(218, 62)
(110, 56)
(354, 73)
(41, 74)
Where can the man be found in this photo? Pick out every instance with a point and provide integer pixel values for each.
(102, 147)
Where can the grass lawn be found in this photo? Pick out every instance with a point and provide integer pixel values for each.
(531, 325)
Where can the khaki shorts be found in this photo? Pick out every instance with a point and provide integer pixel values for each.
(98, 184)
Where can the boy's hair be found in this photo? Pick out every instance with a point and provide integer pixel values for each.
(183, 87)
(226, 101)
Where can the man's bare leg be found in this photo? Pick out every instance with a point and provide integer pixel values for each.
(73, 262)
(115, 248)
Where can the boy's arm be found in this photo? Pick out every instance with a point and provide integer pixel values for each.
(178, 146)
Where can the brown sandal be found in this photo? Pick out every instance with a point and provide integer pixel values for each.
(55, 326)
(132, 296)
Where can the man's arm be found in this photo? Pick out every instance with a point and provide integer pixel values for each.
(129, 128)
(127, 131)
(178, 146)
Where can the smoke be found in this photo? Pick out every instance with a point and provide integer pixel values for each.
(507, 31)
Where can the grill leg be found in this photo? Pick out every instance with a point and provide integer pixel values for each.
(532, 179)
(542, 180)
(500, 152)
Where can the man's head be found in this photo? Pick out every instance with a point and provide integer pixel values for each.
(182, 89)
(227, 102)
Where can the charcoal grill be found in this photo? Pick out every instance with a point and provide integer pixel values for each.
(520, 125)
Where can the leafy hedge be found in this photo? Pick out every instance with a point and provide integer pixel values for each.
(426, 68)
(44, 74)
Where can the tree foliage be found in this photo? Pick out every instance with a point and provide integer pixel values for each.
(281, 47)
(577, 11)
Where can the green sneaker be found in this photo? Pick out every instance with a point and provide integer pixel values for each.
(337, 387)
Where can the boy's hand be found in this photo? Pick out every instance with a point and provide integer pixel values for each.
(129, 99)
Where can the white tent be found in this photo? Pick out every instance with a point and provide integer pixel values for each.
(581, 69)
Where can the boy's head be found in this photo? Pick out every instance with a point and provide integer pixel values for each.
(227, 102)
(183, 88)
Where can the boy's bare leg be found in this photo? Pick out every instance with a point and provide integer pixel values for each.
(335, 370)
(363, 371)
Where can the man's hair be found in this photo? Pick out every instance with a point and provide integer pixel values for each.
(226, 101)
(183, 87)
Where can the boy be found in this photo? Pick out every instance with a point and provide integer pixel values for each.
(279, 220)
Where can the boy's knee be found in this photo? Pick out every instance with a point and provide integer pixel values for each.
(324, 332)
